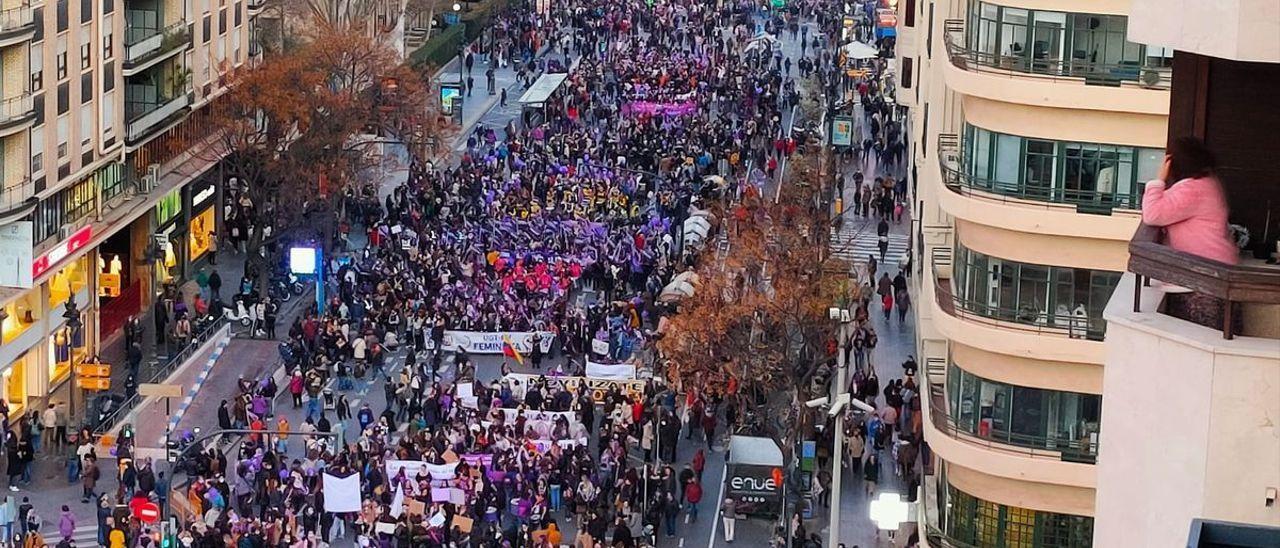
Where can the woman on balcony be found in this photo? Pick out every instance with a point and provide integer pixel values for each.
(1188, 202)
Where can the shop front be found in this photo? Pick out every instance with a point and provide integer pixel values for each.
(202, 221)
(38, 347)
(168, 244)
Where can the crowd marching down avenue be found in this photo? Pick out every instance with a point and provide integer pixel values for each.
(482, 371)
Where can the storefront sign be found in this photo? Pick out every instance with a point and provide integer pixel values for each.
(16, 254)
(61, 251)
(203, 195)
(480, 342)
(754, 489)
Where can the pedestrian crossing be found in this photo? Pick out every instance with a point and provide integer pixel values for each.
(83, 536)
(856, 239)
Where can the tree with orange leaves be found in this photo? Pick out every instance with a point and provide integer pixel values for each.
(757, 320)
(299, 128)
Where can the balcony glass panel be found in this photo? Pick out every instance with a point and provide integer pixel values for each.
(1052, 43)
(1056, 298)
(1024, 417)
(1085, 174)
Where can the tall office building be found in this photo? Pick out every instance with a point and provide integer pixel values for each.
(1033, 127)
(1065, 408)
(106, 196)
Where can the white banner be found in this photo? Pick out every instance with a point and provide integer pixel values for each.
(597, 387)
(611, 371)
(548, 416)
(341, 494)
(486, 342)
(439, 472)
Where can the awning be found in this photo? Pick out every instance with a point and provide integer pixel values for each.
(543, 88)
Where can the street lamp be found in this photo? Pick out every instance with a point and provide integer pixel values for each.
(844, 320)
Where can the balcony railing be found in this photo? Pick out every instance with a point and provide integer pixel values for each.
(149, 44)
(15, 195)
(1041, 447)
(1023, 319)
(16, 109)
(951, 154)
(147, 117)
(17, 20)
(1234, 284)
(1074, 70)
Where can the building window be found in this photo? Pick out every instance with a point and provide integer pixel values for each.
(973, 521)
(1054, 299)
(64, 134)
(37, 66)
(87, 117)
(1106, 176)
(62, 57)
(1026, 417)
(111, 180)
(37, 150)
(108, 114)
(78, 200)
(108, 36)
(86, 46)
(907, 65)
(1050, 42)
(910, 13)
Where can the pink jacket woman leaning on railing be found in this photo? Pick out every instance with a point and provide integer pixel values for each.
(1188, 202)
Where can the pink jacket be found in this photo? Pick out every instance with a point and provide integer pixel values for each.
(1194, 215)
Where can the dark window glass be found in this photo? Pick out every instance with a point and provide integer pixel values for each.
(64, 98)
(86, 87)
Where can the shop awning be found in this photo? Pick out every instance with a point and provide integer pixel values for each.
(543, 88)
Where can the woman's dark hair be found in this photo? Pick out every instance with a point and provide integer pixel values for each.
(1189, 158)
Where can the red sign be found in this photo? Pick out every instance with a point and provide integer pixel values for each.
(147, 512)
(61, 251)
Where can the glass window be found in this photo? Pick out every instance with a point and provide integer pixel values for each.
(15, 385)
(1050, 420)
(68, 280)
(1058, 43)
(1055, 297)
(1058, 171)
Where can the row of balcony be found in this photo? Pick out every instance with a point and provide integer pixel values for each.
(1030, 62)
(17, 24)
(144, 117)
(147, 46)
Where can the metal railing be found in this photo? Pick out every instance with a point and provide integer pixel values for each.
(1023, 319)
(148, 43)
(15, 19)
(1045, 447)
(1058, 70)
(159, 375)
(142, 119)
(951, 154)
(16, 193)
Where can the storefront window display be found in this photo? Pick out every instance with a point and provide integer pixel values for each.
(15, 387)
(67, 348)
(70, 280)
(22, 314)
(201, 234)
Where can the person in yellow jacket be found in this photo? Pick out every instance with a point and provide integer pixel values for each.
(115, 539)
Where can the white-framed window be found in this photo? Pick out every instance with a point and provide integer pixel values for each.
(37, 150)
(108, 35)
(62, 57)
(235, 44)
(108, 114)
(37, 66)
(86, 45)
(87, 117)
(64, 134)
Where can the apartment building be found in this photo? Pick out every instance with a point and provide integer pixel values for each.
(1034, 126)
(103, 179)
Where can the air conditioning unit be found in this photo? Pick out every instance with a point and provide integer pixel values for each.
(65, 232)
(148, 182)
